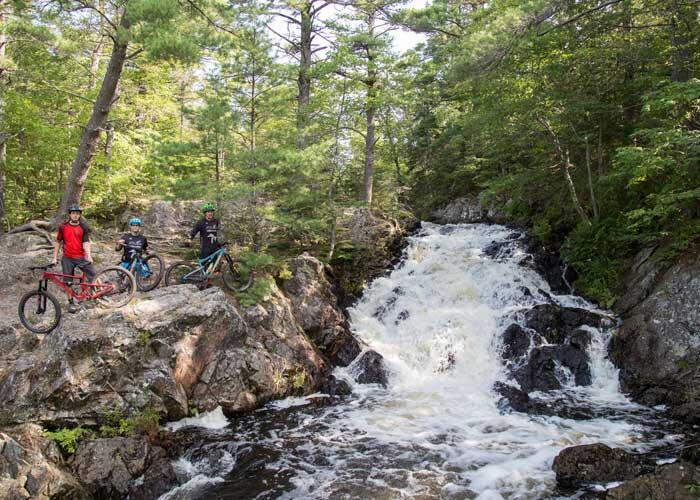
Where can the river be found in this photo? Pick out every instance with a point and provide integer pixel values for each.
(437, 430)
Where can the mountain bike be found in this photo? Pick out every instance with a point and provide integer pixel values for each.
(236, 276)
(148, 272)
(40, 312)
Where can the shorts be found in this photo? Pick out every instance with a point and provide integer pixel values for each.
(69, 265)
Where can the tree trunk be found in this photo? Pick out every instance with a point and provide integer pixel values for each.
(304, 80)
(590, 180)
(91, 134)
(566, 166)
(680, 53)
(370, 112)
(3, 134)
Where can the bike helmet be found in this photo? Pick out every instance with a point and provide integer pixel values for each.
(208, 207)
(74, 208)
(135, 222)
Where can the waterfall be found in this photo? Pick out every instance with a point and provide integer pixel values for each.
(438, 430)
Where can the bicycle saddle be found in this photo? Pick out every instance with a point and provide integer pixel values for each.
(44, 267)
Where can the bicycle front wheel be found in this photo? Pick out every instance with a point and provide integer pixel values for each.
(39, 312)
(150, 273)
(122, 285)
(237, 276)
(177, 274)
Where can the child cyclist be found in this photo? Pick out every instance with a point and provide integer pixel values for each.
(132, 242)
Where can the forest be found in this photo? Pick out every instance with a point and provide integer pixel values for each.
(580, 118)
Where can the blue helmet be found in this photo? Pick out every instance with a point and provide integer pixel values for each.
(74, 208)
(135, 222)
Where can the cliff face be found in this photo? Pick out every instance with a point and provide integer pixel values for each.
(658, 345)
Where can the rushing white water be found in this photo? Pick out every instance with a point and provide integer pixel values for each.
(437, 429)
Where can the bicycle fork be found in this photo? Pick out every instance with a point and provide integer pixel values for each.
(43, 288)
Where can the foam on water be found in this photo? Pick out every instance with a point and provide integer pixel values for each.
(437, 429)
(214, 419)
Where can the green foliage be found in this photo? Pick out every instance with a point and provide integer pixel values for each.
(258, 292)
(67, 438)
(116, 424)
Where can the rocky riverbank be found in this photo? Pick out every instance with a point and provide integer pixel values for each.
(111, 376)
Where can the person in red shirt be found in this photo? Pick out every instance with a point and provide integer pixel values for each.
(74, 237)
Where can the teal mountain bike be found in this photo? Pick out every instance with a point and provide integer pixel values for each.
(236, 276)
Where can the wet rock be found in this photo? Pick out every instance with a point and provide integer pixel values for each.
(316, 309)
(581, 338)
(370, 369)
(516, 342)
(556, 323)
(513, 397)
(562, 406)
(471, 208)
(499, 249)
(686, 412)
(120, 467)
(691, 452)
(594, 463)
(336, 387)
(657, 347)
(668, 482)
(31, 466)
(446, 363)
(539, 373)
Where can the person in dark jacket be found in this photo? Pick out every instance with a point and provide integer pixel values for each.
(208, 230)
(133, 243)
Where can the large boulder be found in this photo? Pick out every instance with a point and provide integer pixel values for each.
(121, 467)
(315, 307)
(369, 244)
(657, 347)
(169, 350)
(369, 369)
(468, 209)
(556, 323)
(594, 463)
(543, 370)
(31, 466)
(677, 481)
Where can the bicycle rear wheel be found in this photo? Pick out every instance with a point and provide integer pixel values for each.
(178, 271)
(39, 312)
(237, 277)
(123, 283)
(150, 273)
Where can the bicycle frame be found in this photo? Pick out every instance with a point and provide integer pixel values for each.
(205, 263)
(137, 266)
(58, 279)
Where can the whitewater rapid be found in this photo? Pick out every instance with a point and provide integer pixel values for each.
(437, 430)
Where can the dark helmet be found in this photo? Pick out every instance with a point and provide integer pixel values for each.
(208, 207)
(74, 208)
(135, 222)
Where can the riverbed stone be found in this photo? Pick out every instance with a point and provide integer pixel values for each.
(678, 481)
(31, 466)
(556, 323)
(594, 463)
(123, 467)
(369, 369)
(539, 372)
(516, 342)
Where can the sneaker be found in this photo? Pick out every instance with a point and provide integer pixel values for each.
(72, 308)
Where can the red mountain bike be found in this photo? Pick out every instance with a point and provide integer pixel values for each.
(40, 312)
